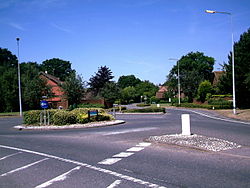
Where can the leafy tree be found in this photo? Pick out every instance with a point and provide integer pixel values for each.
(242, 72)
(146, 88)
(193, 69)
(128, 94)
(110, 92)
(130, 80)
(8, 81)
(57, 67)
(103, 76)
(74, 88)
(205, 87)
(33, 88)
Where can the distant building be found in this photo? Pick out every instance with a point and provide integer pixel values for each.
(161, 91)
(59, 100)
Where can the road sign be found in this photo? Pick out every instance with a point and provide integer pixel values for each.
(44, 104)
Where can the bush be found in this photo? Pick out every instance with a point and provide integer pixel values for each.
(85, 110)
(142, 105)
(31, 117)
(146, 110)
(63, 117)
(207, 106)
(91, 106)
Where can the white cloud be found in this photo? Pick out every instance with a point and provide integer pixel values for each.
(61, 28)
(17, 26)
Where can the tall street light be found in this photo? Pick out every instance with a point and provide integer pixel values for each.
(19, 79)
(179, 85)
(233, 76)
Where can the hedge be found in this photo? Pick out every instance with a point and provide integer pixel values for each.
(207, 106)
(145, 110)
(63, 117)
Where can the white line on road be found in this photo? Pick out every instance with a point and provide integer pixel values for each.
(58, 178)
(121, 176)
(9, 156)
(114, 184)
(22, 168)
(123, 154)
(143, 144)
(128, 131)
(135, 149)
(110, 161)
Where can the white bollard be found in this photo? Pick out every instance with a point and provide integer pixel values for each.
(185, 121)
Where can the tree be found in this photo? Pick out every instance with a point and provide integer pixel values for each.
(33, 88)
(73, 88)
(205, 87)
(126, 81)
(128, 94)
(103, 76)
(57, 67)
(8, 81)
(146, 88)
(242, 72)
(110, 92)
(193, 69)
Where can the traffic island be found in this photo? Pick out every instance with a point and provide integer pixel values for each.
(195, 141)
(73, 126)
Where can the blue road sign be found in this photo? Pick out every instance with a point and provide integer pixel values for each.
(44, 104)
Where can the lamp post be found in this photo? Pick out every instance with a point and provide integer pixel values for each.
(179, 85)
(19, 79)
(233, 75)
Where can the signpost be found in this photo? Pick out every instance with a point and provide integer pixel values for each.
(44, 116)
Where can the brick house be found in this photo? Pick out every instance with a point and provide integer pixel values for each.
(58, 100)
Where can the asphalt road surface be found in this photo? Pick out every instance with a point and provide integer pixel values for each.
(119, 156)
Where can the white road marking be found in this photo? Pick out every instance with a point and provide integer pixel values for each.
(121, 176)
(135, 149)
(114, 184)
(9, 156)
(143, 144)
(123, 154)
(110, 161)
(22, 168)
(58, 178)
(128, 131)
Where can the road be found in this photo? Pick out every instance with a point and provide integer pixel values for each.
(118, 156)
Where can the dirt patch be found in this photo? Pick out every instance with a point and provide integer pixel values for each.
(241, 114)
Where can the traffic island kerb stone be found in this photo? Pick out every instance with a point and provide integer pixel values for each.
(195, 141)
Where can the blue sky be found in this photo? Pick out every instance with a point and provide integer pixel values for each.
(129, 36)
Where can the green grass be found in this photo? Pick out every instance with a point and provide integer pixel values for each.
(9, 114)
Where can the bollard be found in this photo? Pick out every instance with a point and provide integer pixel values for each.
(185, 121)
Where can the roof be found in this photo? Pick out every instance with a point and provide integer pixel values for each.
(51, 77)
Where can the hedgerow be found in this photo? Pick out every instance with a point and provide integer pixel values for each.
(64, 117)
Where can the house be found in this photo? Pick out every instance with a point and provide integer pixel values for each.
(161, 91)
(58, 100)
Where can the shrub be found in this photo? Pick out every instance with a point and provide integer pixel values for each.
(146, 110)
(85, 110)
(207, 106)
(63, 117)
(31, 117)
(91, 106)
(142, 105)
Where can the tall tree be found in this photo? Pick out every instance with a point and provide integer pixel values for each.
(110, 92)
(242, 72)
(57, 67)
(126, 81)
(193, 69)
(8, 81)
(74, 88)
(103, 76)
(146, 88)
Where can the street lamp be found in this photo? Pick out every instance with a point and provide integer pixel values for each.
(233, 75)
(179, 85)
(19, 79)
